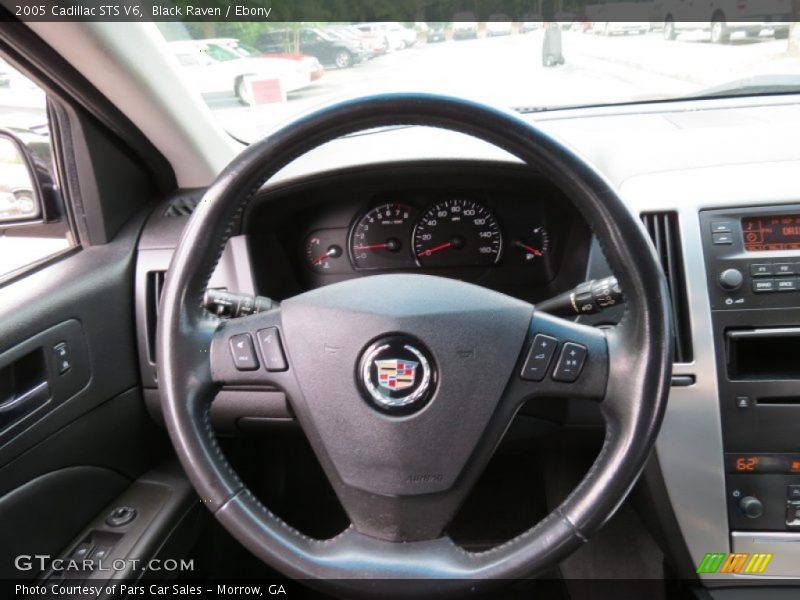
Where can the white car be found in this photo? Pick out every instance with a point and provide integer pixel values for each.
(498, 24)
(306, 65)
(464, 26)
(394, 40)
(621, 27)
(725, 17)
(407, 34)
(212, 68)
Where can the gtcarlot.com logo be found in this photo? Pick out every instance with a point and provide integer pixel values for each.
(43, 562)
(741, 563)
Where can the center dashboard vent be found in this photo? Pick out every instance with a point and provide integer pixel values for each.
(665, 233)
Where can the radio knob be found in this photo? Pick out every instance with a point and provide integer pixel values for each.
(731, 280)
(751, 507)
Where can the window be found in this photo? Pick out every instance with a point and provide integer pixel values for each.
(219, 53)
(33, 222)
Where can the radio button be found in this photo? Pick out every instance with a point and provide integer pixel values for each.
(722, 238)
(720, 227)
(731, 279)
(760, 270)
(786, 284)
(783, 269)
(764, 285)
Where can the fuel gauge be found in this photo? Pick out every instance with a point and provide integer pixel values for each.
(320, 254)
(534, 245)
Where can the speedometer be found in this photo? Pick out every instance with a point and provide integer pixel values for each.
(457, 232)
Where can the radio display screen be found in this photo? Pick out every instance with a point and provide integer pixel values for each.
(775, 232)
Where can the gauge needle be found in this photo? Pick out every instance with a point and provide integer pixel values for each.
(434, 249)
(530, 249)
(321, 257)
(370, 246)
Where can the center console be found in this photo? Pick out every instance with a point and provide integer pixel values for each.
(753, 263)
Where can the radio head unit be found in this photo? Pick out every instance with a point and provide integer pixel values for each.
(752, 257)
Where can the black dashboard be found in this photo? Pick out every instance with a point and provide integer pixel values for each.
(498, 227)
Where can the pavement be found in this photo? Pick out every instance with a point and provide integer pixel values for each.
(508, 71)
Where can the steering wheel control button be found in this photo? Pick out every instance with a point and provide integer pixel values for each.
(570, 363)
(539, 357)
(243, 352)
(122, 515)
(397, 374)
(271, 349)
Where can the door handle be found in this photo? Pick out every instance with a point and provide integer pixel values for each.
(24, 403)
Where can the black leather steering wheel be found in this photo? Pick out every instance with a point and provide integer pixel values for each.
(401, 465)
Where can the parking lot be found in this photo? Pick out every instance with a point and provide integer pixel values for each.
(508, 71)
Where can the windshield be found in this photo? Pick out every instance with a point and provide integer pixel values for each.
(528, 65)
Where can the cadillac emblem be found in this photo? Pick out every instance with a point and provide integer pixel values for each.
(396, 373)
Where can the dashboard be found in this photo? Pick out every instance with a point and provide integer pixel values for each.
(496, 227)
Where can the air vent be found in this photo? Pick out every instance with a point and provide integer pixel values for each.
(664, 231)
(183, 205)
(155, 284)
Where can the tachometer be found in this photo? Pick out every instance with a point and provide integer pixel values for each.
(379, 240)
(457, 232)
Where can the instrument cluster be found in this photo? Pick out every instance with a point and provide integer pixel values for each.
(458, 231)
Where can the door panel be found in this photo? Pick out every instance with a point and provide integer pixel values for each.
(92, 438)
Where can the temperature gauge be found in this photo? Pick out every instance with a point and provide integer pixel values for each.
(534, 245)
(320, 254)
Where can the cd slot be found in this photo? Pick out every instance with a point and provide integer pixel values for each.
(779, 401)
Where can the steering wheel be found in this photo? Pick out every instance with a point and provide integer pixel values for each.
(404, 384)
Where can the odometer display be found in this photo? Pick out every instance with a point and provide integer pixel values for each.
(457, 233)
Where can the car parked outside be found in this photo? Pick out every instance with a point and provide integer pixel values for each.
(394, 41)
(371, 44)
(725, 17)
(465, 27)
(498, 24)
(211, 68)
(620, 27)
(531, 22)
(312, 41)
(436, 33)
(309, 63)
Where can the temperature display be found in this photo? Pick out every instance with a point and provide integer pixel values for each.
(763, 463)
(778, 232)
